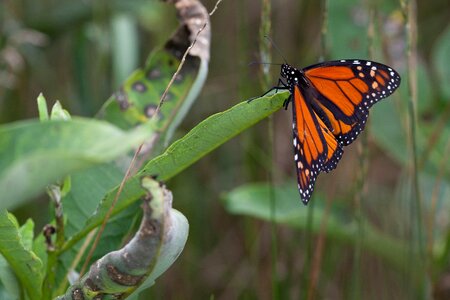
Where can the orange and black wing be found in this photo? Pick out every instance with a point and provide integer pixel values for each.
(343, 91)
(315, 147)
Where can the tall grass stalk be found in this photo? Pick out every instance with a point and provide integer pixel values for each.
(309, 281)
(432, 213)
(324, 31)
(409, 10)
(363, 154)
(266, 56)
(318, 251)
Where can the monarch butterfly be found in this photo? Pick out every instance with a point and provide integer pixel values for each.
(330, 106)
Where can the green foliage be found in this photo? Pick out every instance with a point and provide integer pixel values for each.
(80, 52)
(202, 139)
(255, 200)
(34, 154)
(85, 149)
(440, 60)
(160, 239)
(15, 247)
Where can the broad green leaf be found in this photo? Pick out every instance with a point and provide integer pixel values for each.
(210, 134)
(34, 154)
(8, 281)
(202, 139)
(254, 200)
(15, 249)
(9, 286)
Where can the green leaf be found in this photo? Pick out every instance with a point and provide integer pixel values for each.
(16, 250)
(34, 154)
(254, 200)
(211, 133)
(59, 113)
(9, 285)
(26, 232)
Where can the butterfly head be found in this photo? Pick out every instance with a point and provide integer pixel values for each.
(292, 75)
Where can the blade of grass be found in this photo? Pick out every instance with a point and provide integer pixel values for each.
(265, 53)
(310, 217)
(409, 11)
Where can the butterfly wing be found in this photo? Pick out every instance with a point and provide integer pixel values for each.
(315, 147)
(344, 90)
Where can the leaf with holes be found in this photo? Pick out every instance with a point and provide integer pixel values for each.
(138, 98)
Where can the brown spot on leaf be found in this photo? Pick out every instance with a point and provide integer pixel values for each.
(154, 74)
(91, 285)
(150, 110)
(122, 99)
(139, 87)
(179, 78)
(121, 277)
(77, 294)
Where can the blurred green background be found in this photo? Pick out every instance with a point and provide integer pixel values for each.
(364, 235)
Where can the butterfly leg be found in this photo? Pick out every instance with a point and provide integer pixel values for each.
(286, 102)
(280, 86)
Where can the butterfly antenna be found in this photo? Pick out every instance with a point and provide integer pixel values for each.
(263, 63)
(276, 48)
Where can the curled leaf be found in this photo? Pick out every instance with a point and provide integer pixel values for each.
(195, 26)
(121, 272)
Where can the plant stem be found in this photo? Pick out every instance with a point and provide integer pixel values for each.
(409, 9)
(265, 53)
